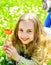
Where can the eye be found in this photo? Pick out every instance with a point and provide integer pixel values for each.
(21, 30)
(29, 31)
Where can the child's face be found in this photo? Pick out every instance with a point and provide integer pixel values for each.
(26, 31)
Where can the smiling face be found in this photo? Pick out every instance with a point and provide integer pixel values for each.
(26, 31)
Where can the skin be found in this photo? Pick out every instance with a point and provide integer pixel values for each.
(25, 34)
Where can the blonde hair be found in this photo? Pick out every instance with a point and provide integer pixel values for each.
(39, 35)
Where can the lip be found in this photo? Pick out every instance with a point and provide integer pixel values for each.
(24, 39)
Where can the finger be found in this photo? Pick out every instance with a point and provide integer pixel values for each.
(8, 55)
(9, 49)
(4, 48)
(8, 52)
(8, 44)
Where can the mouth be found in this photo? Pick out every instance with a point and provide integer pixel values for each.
(24, 39)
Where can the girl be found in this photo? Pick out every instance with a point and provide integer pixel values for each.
(28, 41)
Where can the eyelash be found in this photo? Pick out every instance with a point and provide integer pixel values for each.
(21, 30)
(29, 31)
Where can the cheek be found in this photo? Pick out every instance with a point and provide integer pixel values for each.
(32, 37)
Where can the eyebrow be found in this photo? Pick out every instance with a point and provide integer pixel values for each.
(27, 29)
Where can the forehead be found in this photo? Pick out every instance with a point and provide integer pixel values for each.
(26, 24)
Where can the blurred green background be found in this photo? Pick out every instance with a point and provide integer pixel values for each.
(11, 10)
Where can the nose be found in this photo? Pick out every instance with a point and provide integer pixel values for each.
(25, 34)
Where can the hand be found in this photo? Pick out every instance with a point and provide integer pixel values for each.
(11, 52)
(7, 44)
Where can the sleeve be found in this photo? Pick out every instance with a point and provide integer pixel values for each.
(24, 61)
(47, 22)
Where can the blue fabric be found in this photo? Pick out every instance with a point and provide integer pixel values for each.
(47, 22)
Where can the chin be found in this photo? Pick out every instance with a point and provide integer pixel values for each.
(24, 42)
